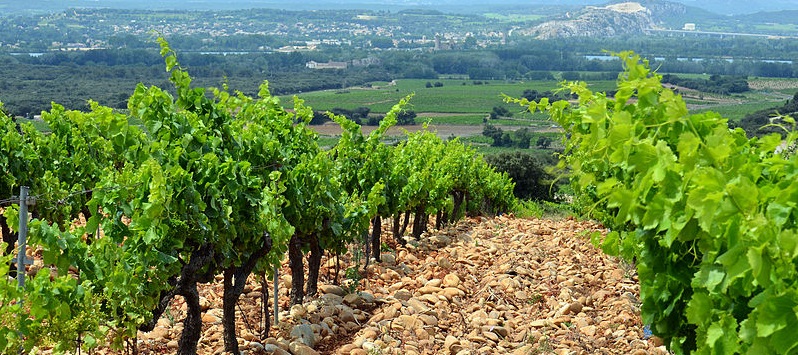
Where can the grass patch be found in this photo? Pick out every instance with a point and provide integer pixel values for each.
(540, 209)
(327, 142)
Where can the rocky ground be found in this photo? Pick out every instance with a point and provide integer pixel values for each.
(485, 286)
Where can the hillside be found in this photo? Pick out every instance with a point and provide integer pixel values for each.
(502, 285)
(622, 18)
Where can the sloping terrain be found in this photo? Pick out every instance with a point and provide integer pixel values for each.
(484, 286)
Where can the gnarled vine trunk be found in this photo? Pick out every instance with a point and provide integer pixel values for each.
(235, 278)
(192, 325)
(9, 238)
(186, 286)
(395, 229)
(405, 223)
(297, 270)
(376, 234)
(420, 222)
(314, 264)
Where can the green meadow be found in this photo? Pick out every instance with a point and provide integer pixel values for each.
(458, 101)
(455, 96)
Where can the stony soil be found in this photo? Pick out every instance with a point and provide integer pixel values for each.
(484, 286)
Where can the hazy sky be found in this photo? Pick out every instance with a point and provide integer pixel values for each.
(718, 6)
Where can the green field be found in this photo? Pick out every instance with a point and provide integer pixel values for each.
(468, 102)
(457, 102)
(455, 96)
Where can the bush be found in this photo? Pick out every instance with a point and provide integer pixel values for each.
(530, 176)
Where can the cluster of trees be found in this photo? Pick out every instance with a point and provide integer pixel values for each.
(28, 84)
(529, 172)
(214, 183)
(534, 95)
(718, 84)
(521, 138)
(362, 115)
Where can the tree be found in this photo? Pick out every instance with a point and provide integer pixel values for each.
(530, 177)
(499, 112)
(543, 142)
(406, 117)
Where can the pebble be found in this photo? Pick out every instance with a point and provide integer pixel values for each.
(403, 295)
(332, 289)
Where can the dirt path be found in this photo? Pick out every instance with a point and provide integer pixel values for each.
(485, 286)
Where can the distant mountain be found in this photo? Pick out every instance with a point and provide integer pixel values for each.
(734, 7)
(782, 17)
(621, 18)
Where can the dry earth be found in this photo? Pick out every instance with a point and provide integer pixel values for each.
(484, 286)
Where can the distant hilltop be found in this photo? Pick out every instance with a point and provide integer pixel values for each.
(608, 21)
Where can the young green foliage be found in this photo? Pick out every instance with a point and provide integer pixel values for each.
(708, 214)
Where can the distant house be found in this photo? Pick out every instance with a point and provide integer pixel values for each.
(329, 65)
(689, 27)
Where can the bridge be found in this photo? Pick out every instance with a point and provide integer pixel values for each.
(685, 33)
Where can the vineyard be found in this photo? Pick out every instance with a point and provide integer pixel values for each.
(219, 187)
(127, 218)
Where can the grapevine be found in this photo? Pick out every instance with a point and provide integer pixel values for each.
(708, 215)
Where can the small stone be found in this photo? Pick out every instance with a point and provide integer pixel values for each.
(333, 289)
(499, 330)
(450, 340)
(491, 335)
(332, 299)
(451, 292)
(402, 295)
(388, 259)
(298, 311)
(204, 304)
(426, 290)
(298, 348)
(429, 320)
(346, 315)
(444, 263)
(369, 334)
(274, 349)
(348, 349)
(418, 306)
(304, 333)
(354, 300)
(451, 280)
(434, 283)
(210, 318)
(575, 307)
(172, 344)
(589, 330)
(539, 323)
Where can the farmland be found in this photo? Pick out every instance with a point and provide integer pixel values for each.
(458, 107)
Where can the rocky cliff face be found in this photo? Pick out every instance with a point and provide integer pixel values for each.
(608, 21)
